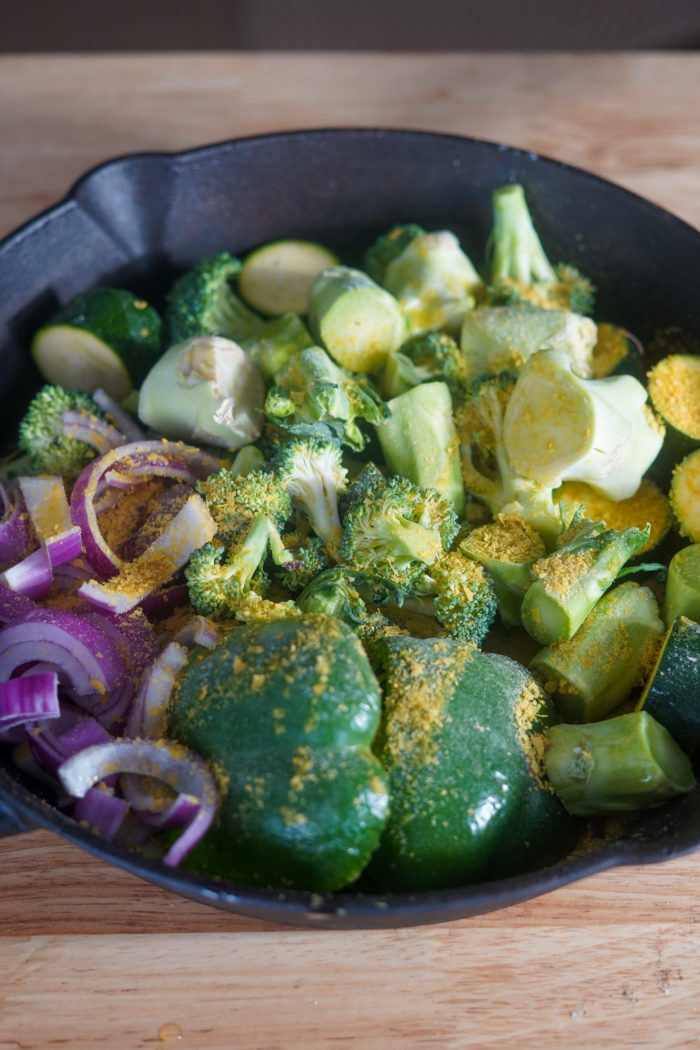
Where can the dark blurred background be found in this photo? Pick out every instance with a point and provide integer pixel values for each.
(360, 25)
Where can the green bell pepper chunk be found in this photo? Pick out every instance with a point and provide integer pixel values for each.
(462, 741)
(286, 711)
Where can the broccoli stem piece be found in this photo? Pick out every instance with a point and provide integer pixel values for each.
(568, 582)
(507, 548)
(589, 675)
(277, 343)
(618, 765)
(517, 252)
(419, 441)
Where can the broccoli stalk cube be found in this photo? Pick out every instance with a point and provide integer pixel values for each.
(618, 765)
(568, 582)
(419, 441)
(610, 654)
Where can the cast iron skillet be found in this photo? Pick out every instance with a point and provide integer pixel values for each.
(137, 220)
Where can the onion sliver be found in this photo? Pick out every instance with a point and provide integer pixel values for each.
(102, 812)
(192, 527)
(31, 698)
(84, 656)
(45, 499)
(147, 718)
(16, 536)
(32, 576)
(184, 772)
(199, 631)
(121, 418)
(14, 606)
(168, 459)
(93, 431)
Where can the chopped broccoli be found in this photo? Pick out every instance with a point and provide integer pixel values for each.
(389, 247)
(219, 577)
(203, 302)
(49, 450)
(276, 343)
(309, 558)
(507, 548)
(368, 478)
(498, 339)
(312, 388)
(233, 500)
(422, 359)
(567, 583)
(434, 282)
(340, 592)
(486, 466)
(312, 472)
(397, 531)
(520, 269)
(557, 426)
(461, 596)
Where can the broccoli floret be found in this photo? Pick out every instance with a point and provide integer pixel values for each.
(463, 597)
(48, 449)
(486, 467)
(313, 389)
(309, 558)
(219, 577)
(567, 583)
(312, 472)
(388, 247)
(432, 279)
(422, 359)
(520, 269)
(203, 302)
(397, 531)
(370, 477)
(233, 500)
(337, 592)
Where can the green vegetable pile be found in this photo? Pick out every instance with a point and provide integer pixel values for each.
(439, 646)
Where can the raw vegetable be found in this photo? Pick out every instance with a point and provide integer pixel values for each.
(277, 277)
(685, 487)
(682, 593)
(672, 692)
(106, 338)
(287, 712)
(616, 766)
(608, 656)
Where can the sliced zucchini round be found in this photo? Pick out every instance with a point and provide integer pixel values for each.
(277, 278)
(682, 594)
(649, 505)
(674, 394)
(106, 338)
(685, 496)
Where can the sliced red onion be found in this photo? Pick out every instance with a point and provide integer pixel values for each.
(51, 749)
(199, 631)
(148, 714)
(16, 535)
(121, 418)
(182, 771)
(45, 499)
(102, 812)
(32, 576)
(160, 604)
(30, 698)
(14, 606)
(91, 429)
(166, 507)
(180, 811)
(85, 658)
(191, 528)
(136, 460)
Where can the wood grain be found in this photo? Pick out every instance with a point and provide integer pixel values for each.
(92, 957)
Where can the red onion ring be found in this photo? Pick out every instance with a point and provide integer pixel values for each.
(182, 771)
(94, 431)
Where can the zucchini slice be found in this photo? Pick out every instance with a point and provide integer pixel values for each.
(649, 505)
(682, 595)
(277, 278)
(674, 394)
(672, 693)
(106, 338)
(616, 352)
(685, 496)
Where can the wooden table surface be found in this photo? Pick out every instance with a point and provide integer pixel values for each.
(91, 957)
